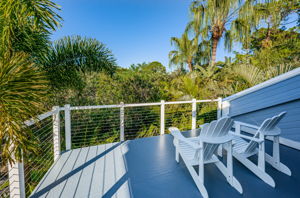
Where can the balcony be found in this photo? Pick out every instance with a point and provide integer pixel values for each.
(146, 168)
(124, 151)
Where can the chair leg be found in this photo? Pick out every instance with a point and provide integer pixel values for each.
(255, 169)
(276, 152)
(199, 181)
(274, 160)
(220, 150)
(261, 157)
(228, 171)
(176, 154)
(279, 166)
(229, 163)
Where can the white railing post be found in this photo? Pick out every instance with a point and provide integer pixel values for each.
(122, 114)
(219, 113)
(56, 132)
(68, 126)
(16, 180)
(225, 108)
(194, 115)
(162, 117)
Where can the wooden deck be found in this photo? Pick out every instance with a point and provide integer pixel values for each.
(86, 172)
(146, 168)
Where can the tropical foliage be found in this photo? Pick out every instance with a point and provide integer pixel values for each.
(185, 53)
(37, 73)
(22, 91)
(26, 25)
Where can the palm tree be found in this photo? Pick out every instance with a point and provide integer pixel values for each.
(23, 88)
(24, 29)
(71, 56)
(185, 52)
(212, 19)
(273, 14)
(27, 22)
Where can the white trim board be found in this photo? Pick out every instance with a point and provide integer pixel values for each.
(267, 83)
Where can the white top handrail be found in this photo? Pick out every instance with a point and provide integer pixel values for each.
(134, 105)
(92, 107)
(50, 113)
(40, 117)
(142, 104)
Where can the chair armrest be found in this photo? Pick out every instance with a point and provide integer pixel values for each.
(217, 140)
(246, 124)
(247, 137)
(177, 135)
(202, 125)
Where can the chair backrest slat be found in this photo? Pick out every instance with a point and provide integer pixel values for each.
(267, 126)
(215, 129)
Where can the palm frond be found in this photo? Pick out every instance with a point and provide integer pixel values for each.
(23, 89)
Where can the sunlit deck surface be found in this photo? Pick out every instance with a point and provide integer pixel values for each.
(146, 167)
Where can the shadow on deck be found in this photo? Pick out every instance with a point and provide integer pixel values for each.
(146, 168)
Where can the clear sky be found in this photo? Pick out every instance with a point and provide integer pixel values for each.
(135, 30)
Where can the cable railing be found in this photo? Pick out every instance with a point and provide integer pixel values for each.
(72, 127)
(94, 126)
(37, 164)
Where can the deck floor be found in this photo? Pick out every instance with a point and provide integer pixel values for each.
(146, 167)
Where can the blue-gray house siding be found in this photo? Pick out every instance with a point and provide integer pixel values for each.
(256, 106)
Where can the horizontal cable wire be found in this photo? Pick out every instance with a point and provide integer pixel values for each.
(94, 126)
(36, 165)
(178, 115)
(141, 122)
(98, 126)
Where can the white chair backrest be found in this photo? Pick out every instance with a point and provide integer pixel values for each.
(267, 126)
(216, 129)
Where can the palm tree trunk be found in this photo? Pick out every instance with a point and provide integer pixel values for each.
(190, 65)
(214, 50)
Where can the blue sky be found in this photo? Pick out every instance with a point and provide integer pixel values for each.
(135, 30)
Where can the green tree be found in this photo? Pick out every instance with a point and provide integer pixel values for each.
(26, 24)
(272, 15)
(24, 29)
(185, 52)
(23, 89)
(283, 47)
(212, 20)
(70, 61)
(140, 83)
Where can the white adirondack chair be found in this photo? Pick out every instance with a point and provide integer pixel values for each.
(243, 149)
(201, 150)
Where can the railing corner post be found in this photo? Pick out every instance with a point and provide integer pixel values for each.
(162, 117)
(194, 115)
(16, 179)
(219, 112)
(122, 115)
(56, 132)
(68, 126)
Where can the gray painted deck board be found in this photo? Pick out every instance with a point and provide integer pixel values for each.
(67, 168)
(97, 180)
(52, 174)
(109, 171)
(72, 181)
(86, 176)
(121, 171)
(147, 168)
